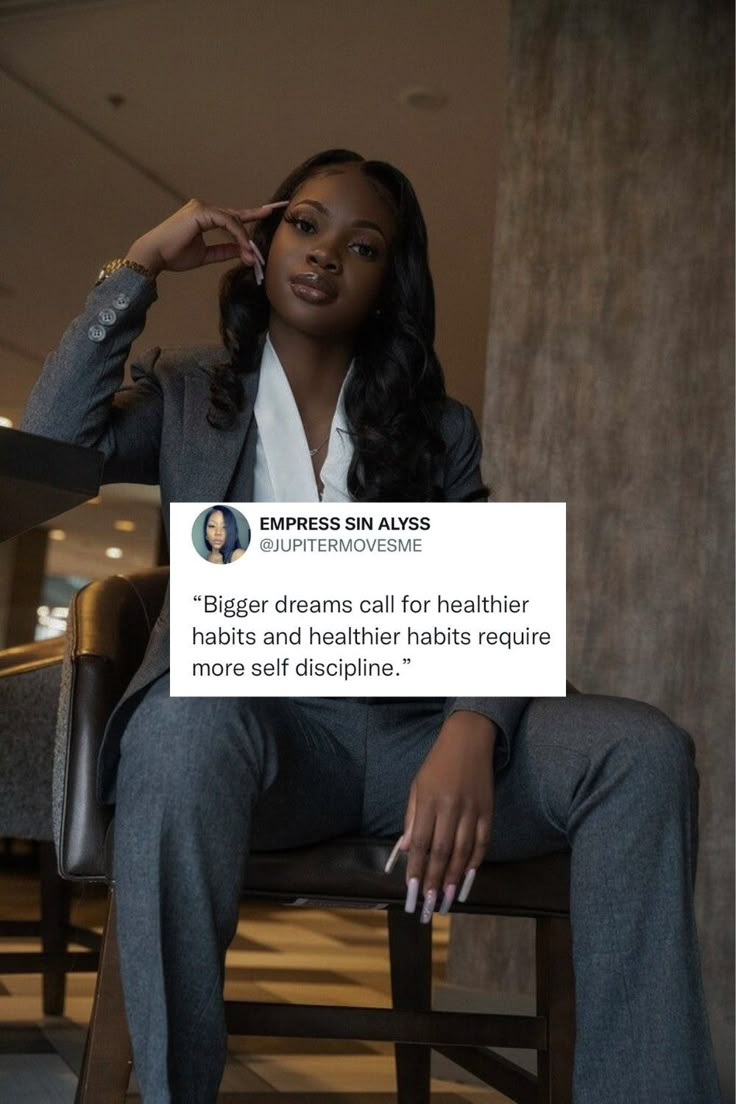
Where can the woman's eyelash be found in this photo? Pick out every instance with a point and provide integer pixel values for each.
(294, 219)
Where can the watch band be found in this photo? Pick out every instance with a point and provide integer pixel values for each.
(117, 264)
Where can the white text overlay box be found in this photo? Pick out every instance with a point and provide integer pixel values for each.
(386, 600)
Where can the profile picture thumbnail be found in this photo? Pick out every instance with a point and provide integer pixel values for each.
(220, 534)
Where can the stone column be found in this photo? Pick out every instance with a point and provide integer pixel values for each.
(609, 385)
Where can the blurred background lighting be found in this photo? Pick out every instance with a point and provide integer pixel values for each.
(51, 621)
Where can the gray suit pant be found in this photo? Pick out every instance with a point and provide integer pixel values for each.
(201, 781)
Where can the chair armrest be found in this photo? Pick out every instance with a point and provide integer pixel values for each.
(110, 622)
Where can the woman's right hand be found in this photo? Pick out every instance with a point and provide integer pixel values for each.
(178, 244)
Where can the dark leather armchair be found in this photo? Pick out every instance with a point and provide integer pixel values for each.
(109, 625)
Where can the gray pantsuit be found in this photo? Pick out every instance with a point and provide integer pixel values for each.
(198, 782)
(613, 779)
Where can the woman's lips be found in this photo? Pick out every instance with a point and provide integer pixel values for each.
(313, 289)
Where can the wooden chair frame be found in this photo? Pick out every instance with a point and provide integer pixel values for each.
(411, 1024)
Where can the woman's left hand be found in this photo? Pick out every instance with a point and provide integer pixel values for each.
(448, 819)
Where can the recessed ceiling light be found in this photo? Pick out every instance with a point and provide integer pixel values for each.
(113, 553)
(422, 98)
(57, 534)
(6, 423)
(124, 526)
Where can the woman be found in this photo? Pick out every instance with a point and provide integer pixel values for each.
(221, 538)
(329, 387)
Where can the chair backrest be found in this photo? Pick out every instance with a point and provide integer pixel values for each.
(110, 621)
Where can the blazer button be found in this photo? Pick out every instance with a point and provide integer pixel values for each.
(97, 333)
(107, 317)
(121, 301)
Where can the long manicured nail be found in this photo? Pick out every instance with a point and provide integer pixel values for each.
(430, 899)
(393, 856)
(466, 887)
(411, 895)
(257, 251)
(249, 260)
(277, 203)
(447, 899)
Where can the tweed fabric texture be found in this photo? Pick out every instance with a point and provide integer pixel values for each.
(28, 703)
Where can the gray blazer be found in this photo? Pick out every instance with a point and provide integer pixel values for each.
(156, 432)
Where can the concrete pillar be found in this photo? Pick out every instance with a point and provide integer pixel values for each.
(609, 385)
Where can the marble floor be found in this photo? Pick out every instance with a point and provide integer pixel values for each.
(307, 956)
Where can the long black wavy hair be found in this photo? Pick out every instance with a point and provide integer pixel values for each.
(395, 395)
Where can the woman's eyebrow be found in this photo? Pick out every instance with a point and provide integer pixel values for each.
(358, 222)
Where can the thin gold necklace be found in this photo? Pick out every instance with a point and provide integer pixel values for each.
(314, 451)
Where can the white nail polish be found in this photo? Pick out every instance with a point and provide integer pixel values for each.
(467, 886)
(411, 895)
(391, 863)
(430, 900)
(448, 898)
(257, 251)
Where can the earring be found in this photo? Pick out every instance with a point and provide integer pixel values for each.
(377, 310)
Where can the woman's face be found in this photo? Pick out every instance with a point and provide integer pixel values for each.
(329, 254)
(216, 531)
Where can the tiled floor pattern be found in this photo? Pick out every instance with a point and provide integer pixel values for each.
(307, 956)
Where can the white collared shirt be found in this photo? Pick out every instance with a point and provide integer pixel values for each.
(283, 469)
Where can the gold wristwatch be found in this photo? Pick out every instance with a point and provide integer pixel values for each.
(117, 264)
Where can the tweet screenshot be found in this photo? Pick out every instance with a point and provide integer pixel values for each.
(385, 600)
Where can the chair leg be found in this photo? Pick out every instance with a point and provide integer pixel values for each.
(556, 1002)
(55, 906)
(107, 1060)
(410, 949)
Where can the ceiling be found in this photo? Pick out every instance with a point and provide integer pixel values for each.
(115, 112)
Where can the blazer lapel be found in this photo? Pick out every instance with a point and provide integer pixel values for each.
(212, 455)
